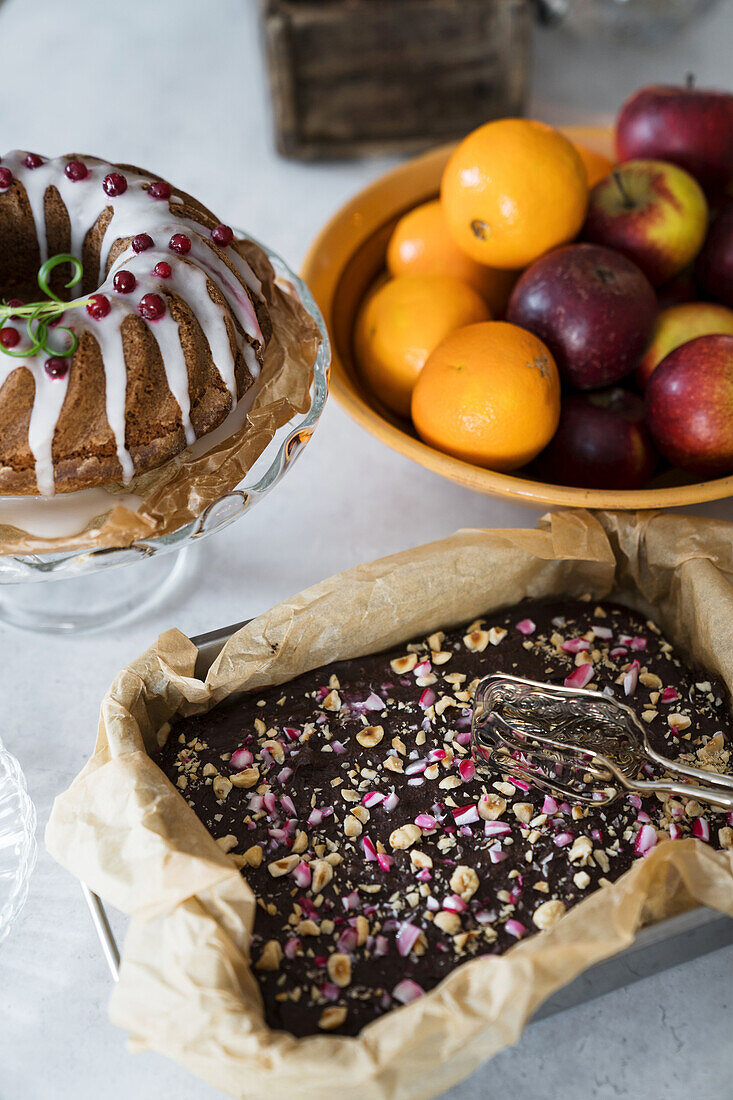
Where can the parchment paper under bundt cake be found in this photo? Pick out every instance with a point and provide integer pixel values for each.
(172, 333)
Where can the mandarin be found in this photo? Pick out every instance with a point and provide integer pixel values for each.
(401, 322)
(597, 166)
(488, 394)
(421, 244)
(512, 190)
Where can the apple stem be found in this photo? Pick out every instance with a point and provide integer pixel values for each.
(628, 203)
(690, 80)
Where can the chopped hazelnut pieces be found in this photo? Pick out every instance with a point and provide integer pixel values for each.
(548, 913)
(370, 736)
(332, 1017)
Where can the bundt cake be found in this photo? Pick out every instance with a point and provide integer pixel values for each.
(168, 334)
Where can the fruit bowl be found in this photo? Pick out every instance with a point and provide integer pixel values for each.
(343, 263)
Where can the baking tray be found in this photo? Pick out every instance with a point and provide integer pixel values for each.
(660, 947)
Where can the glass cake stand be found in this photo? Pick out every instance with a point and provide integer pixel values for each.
(87, 589)
(17, 840)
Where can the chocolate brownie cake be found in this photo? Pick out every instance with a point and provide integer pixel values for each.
(380, 857)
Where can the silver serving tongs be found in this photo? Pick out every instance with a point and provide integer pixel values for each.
(583, 745)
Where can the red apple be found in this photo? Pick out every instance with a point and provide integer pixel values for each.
(677, 325)
(655, 213)
(601, 443)
(689, 406)
(714, 268)
(592, 307)
(690, 127)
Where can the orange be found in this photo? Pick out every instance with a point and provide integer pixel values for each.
(421, 244)
(597, 167)
(401, 322)
(512, 190)
(489, 394)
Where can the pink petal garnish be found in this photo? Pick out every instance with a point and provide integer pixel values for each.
(407, 991)
(467, 815)
(269, 800)
(381, 947)
(575, 645)
(427, 823)
(563, 839)
(496, 828)
(674, 832)
(515, 928)
(384, 861)
(391, 802)
(602, 632)
(467, 770)
(422, 669)
(292, 946)
(646, 838)
(373, 798)
(638, 643)
(315, 817)
(301, 876)
(348, 941)
(427, 698)
(670, 695)
(631, 679)
(338, 748)
(369, 850)
(526, 626)
(549, 806)
(436, 754)
(288, 805)
(351, 901)
(497, 855)
(242, 758)
(579, 677)
(407, 936)
(455, 904)
(701, 829)
(373, 702)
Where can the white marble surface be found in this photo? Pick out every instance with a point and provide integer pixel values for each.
(178, 86)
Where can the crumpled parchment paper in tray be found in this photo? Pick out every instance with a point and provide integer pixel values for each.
(178, 492)
(186, 988)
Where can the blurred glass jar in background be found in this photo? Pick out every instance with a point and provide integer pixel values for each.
(625, 21)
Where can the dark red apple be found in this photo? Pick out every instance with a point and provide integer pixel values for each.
(689, 406)
(714, 268)
(691, 127)
(592, 307)
(601, 443)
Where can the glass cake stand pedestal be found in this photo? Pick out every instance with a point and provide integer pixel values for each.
(17, 840)
(89, 589)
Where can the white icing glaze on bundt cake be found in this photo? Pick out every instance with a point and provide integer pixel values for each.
(170, 330)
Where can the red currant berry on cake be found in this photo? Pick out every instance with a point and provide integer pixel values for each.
(151, 307)
(6, 178)
(142, 242)
(56, 367)
(99, 307)
(114, 184)
(222, 235)
(33, 161)
(124, 282)
(163, 270)
(179, 242)
(159, 189)
(75, 170)
(14, 302)
(9, 337)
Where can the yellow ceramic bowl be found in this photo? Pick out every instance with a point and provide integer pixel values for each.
(344, 261)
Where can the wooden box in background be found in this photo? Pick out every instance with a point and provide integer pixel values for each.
(350, 77)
